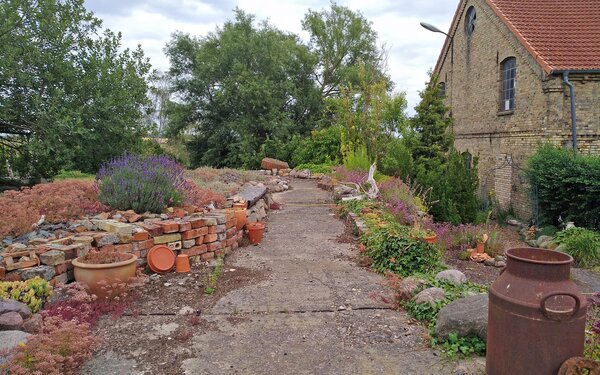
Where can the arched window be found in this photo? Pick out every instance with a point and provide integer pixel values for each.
(508, 70)
(442, 88)
(470, 21)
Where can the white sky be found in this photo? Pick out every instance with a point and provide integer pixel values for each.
(412, 49)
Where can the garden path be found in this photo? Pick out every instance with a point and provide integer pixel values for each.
(316, 312)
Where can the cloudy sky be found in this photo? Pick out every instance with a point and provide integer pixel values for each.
(412, 49)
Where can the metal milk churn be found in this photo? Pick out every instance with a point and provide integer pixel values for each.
(536, 318)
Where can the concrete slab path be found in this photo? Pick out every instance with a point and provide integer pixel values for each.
(317, 313)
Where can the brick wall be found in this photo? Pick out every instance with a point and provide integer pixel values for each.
(504, 139)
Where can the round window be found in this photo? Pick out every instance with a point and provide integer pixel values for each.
(470, 21)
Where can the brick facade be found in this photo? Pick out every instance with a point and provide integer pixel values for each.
(470, 67)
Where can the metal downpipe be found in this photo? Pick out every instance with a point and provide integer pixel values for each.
(565, 75)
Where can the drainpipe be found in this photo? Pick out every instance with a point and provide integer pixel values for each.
(565, 75)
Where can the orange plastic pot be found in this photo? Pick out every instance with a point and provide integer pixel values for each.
(98, 276)
(255, 232)
(182, 263)
(240, 216)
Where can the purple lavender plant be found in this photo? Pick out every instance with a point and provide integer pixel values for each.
(356, 176)
(141, 183)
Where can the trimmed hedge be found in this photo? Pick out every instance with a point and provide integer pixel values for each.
(568, 185)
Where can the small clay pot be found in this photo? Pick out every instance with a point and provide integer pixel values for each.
(182, 263)
(240, 216)
(161, 259)
(255, 232)
(430, 239)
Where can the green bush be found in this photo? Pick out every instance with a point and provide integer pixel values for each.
(357, 159)
(393, 249)
(323, 147)
(582, 244)
(315, 168)
(69, 175)
(568, 185)
(141, 183)
(453, 188)
(397, 161)
(457, 346)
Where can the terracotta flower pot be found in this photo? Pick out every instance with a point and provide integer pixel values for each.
(95, 276)
(240, 205)
(255, 232)
(479, 248)
(240, 216)
(430, 239)
(182, 263)
(161, 259)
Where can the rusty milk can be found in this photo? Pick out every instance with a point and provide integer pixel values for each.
(536, 318)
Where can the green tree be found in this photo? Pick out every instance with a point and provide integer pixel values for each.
(370, 115)
(69, 97)
(238, 87)
(437, 164)
(341, 39)
(431, 125)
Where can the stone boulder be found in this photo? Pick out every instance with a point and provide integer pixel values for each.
(466, 316)
(451, 276)
(11, 321)
(10, 305)
(269, 163)
(10, 339)
(542, 240)
(406, 288)
(430, 295)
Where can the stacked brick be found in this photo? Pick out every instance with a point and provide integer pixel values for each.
(201, 236)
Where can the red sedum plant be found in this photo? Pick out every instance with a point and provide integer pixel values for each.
(59, 201)
(59, 350)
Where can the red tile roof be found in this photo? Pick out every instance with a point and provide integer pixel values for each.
(560, 34)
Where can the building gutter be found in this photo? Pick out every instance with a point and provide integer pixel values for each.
(565, 76)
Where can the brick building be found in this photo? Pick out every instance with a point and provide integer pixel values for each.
(503, 68)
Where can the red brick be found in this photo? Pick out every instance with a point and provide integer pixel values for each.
(178, 212)
(153, 229)
(231, 232)
(107, 248)
(124, 248)
(142, 245)
(200, 240)
(197, 222)
(194, 251)
(141, 235)
(230, 241)
(133, 218)
(212, 229)
(215, 246)
(60, 268)
(210, 238)
(203, 230)
(185, 226)
(169, 226)
(207, 256)
(188, 235)
(12, 276)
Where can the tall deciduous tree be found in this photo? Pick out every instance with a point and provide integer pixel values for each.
(342, 38)
(69, 97)
(240, 86)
